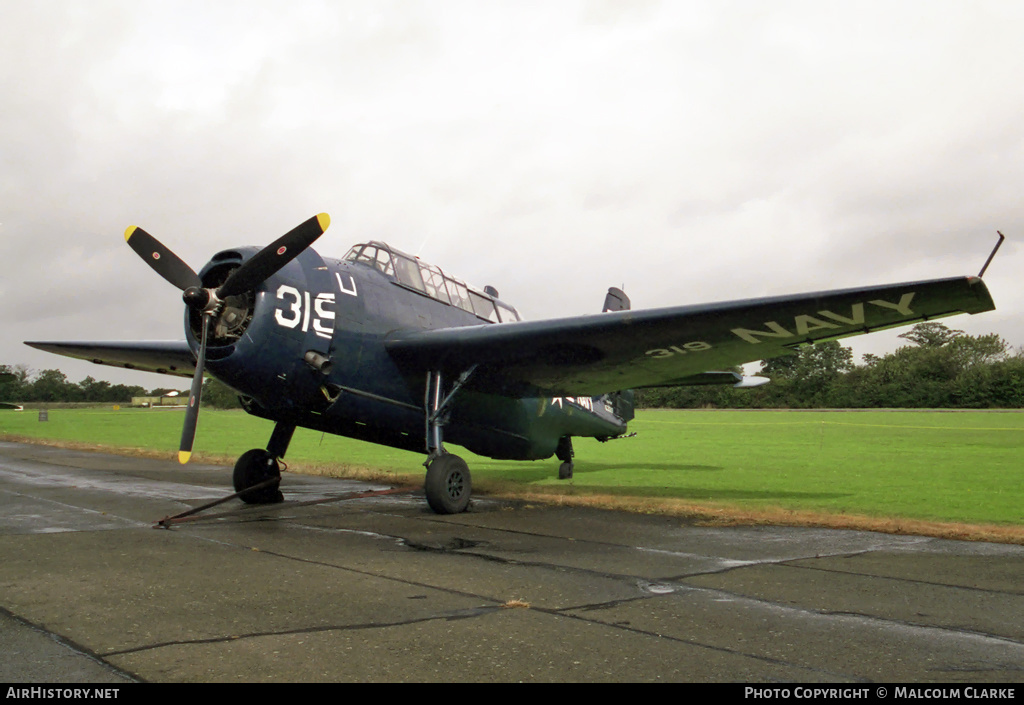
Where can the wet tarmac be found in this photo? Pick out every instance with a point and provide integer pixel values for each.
(380, 589)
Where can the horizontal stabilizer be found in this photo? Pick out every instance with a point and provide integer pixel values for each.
(707, 378)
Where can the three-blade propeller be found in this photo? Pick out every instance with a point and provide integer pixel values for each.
(210, 302)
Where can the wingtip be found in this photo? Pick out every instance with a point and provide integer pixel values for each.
(183, 456)
(324, 220)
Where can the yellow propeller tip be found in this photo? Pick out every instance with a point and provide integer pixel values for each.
(324, 220)
(183, 456)
(128, 233)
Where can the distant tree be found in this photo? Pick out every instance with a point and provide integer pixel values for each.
(12, 384)
(52, 385)
(969, 351)
(119, 393)
(930, 335)
(823, 360)
(22, 373)
(219, 395)
(94, 390)
(780, 367)
(806, 378)
(871, 360)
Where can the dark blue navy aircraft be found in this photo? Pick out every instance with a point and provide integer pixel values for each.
(386, 348)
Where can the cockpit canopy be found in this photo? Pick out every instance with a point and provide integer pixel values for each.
(429, 280)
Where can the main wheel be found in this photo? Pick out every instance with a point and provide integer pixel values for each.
(448, 485)
(256, 466)
(565, 471)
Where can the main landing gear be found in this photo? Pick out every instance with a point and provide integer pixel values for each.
(257, 466)
(448, 485)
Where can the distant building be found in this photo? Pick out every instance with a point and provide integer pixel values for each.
(158, 401)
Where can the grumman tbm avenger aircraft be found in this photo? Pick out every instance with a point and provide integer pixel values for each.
(384, 347)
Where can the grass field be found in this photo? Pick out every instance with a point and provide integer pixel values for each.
(941, 473)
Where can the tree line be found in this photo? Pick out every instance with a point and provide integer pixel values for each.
(938, 368)
(18, 384)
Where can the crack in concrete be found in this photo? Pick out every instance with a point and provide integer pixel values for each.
(451, 616)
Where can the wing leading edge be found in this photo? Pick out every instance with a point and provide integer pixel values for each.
(590, 355)
(160, 356)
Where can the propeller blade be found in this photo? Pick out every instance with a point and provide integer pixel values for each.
(188, 431)
(274, 256)
(167, 264)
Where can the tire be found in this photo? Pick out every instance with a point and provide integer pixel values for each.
(448, 485)
(565, 471)
(253, 467)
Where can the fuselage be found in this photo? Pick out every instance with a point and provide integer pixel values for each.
(308, 347)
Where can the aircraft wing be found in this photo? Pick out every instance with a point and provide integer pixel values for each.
(169, 357)
(594, 354)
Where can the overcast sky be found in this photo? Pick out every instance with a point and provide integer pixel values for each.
(688, 151)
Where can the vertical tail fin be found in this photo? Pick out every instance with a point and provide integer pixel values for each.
(621, 402)
(616, 300)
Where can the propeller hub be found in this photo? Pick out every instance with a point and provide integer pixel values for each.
(196, 298)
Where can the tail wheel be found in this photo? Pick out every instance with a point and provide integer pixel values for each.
(565, 453)
(254, 467)
(448, 484)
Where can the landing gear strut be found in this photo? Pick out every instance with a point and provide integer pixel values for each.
(257, 466)
(448, 485)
